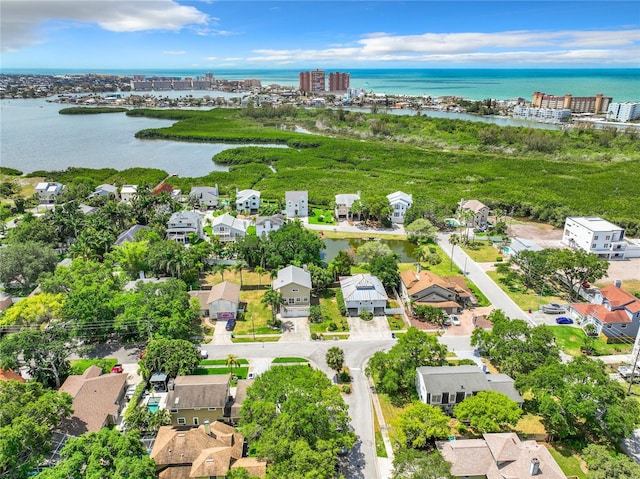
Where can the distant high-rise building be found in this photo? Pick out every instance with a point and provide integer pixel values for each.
(339, 81)
(312, 81)
(583, 104)
(625, 111)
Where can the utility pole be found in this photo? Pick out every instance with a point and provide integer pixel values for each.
(633, 371)
(253, 327)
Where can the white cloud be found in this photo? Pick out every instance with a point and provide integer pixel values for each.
(210, 59)
(513, 47)
(23, 21)
(175, 52)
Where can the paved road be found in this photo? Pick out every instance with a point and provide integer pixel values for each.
(489, 288)
(362, 462)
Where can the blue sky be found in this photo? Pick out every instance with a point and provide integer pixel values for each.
(181, 34)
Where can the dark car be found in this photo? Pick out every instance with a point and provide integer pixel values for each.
(564, 320)
(230, 325)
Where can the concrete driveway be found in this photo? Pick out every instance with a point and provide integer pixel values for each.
(377, 328)
(295, 329)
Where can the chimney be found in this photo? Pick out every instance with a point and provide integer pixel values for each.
(534, 468)
(418, 268)
(207, 427)
(617, 283)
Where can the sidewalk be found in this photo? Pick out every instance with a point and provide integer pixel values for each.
(385, 464)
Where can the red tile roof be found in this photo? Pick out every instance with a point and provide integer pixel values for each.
(618, 297)
(601, 313)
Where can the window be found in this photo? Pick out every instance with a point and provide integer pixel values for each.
(436, 398)
(623, 326)
(305, 300)
(196, 421)
(607, 237)
(173, 411)
(294, 290)
(291, 300)
(297, 300)
(211, 409)
(595, 237)
(609, 326)
(182, 421)
(593, 246)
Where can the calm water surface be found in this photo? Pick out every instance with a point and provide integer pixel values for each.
(34, 136)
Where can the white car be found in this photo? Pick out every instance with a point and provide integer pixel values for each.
(455, 320)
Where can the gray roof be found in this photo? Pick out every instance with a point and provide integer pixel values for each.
(400, 196)
(185, 215)
(295, 195)
(292, 275)
(347, 199)
(276, 220)
(204, 192)
(129, 235)
(522, 244)
(469, 378)
(199, 391)
(362, 287)
(231, 222)
(244, 195)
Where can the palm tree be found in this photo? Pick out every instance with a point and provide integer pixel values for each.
(260, 271)
(335, 358)
(221, 268)
(274, 300)
(238, 267)
(422, 252)
(232, 362)
(454, 239)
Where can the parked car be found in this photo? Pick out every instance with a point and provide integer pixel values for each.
(564, 320)
(253, 376)
(230, 325)
(204, 354)
(455, 320)
(553, 308)
(117, 369)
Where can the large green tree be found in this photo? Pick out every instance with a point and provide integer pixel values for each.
(420, 425)
(394, 371)
(576, 267)
(161, 309)
(106, 453)
(373, 249)
(514, 346)
(45, 352)
(24, 262)
(28, 415)
(488, 411)
(605, 464)
(172, 356)
(273, 299)
(416, 464)
(34, 310)
(421, 230)
(296, 419)
(335, 358)
(385, 268)
(579, 399)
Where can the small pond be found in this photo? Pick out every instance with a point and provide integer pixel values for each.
(402, 248)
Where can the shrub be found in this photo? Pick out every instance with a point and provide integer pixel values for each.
(314, 336)
(333, 326)
(315, 314)
(499, 259)
(345, 377)
(366, 315)
(461, 429)
(321, 219)
(340, 300)
(346, 388)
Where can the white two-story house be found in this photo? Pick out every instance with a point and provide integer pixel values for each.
(182, 224)
(227, 228)
(248, 201)
(296, 204)
(400, 202)
(595, 235)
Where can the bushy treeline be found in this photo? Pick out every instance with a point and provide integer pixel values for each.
(84, 110)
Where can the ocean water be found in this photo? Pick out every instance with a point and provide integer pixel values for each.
(478, 84)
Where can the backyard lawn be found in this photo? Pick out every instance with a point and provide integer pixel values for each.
(570, 339)
(330, 311)
(568, 460)
(327, 217)
(526, 299)
(482, 252)
(79, 366)
(257, 315)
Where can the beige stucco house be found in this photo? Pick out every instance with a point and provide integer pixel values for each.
(294, 284)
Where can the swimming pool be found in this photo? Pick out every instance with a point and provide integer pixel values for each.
(153, 404)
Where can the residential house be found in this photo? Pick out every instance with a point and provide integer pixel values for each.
(294, 284)
(267, 224)
(518, 245)
(98, 400)
(450, 293)
(595, 235)
(128, 235)
(344, 202)
(48, 192)
(500, 456)
(446, 386)
(480, 213)
(206, 196)
(106, 191)
(248, 201)
(223, 300)
(182, 224)
(400, 202)
(241, 395)
(296, 204)
(6, 300)
(127, 192)
(228, 228)
(195, 399)
(363, 292)
(208, 451)
(614, 313)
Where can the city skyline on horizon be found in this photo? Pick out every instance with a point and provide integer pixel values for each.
(197, 34)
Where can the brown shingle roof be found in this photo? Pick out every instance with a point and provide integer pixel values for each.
(241, 394)
(416, 282)
(180, 453)
(225, 290)
(95, 400)
(473, 205)
(202, 295)
(199, 391)
(254, 466)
